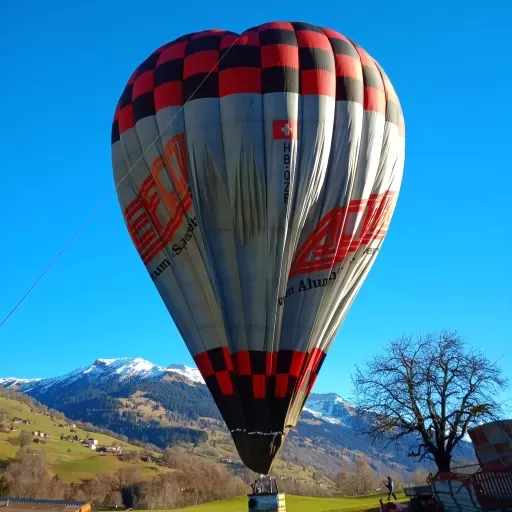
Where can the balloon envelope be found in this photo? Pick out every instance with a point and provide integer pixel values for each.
(265, 169)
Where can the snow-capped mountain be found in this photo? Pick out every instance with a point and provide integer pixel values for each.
(121, 369)
(11, 382)
(331, 408)
(188, 372)
(156, 404)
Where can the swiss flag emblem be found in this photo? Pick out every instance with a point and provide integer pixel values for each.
(285, 130)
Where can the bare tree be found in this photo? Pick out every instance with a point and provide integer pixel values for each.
(24, 438)
(432, 387)
(4, 415)
(361, 480)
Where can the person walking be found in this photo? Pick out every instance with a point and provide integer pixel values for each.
(391, 488)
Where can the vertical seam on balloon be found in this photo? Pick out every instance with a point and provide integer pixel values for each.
(265, 197)
(388, 188)
(303, 298)
(321, 213)
(295, 391)
(233, 222)
(239, 400)
(348, 271)
(207, 266)
(265, 175)
(289, 206)
(159, 147)
(268, 170)
(186, 302)
(309, 346)
(372, 259)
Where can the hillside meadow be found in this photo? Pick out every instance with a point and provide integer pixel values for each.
(71, 461)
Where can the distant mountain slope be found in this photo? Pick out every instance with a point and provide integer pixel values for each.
(68, 458)
(164, 406)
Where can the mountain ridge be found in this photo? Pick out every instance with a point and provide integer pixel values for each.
(168, 405)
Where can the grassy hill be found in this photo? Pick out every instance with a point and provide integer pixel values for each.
(302, 504)
(71, 461)
(197, 468)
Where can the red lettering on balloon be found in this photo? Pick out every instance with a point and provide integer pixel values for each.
(341, 232)
(162, 202)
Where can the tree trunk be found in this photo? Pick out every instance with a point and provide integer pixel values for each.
(443, 462)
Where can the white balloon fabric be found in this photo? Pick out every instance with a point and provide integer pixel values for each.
(261, 206)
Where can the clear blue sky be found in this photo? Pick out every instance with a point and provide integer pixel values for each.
(445, 263)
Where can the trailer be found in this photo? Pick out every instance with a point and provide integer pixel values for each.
(486, 486)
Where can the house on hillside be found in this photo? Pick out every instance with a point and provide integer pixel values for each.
(90, 443)
(42, 435)
(111, 449)
(32, 505)
(21, 420)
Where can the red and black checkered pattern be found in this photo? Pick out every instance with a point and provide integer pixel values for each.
(254, 389)
(262, 374)
(274, 57)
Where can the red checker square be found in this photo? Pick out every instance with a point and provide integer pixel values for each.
(279, 55)
(348, 66)
(259, 386)
(297, 363)
(144, 83)
(126, 119)
(250, 38)
(239, 81)
(316, 81)
(333, 34)
(228, 40)
(374, 100)
(169, 94)
(206, 33)
(224, 381)
(204, 364)
(276, 25)
(173, 52)
(242, 363)
(282, 385)
(201, 62)
(227, 357)
(310, 39)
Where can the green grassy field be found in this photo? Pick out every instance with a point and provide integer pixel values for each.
(302, 504)
(70, 460)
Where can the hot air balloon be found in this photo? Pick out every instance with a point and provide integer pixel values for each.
(257, 174)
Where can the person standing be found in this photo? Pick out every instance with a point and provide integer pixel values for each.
(391, 488)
